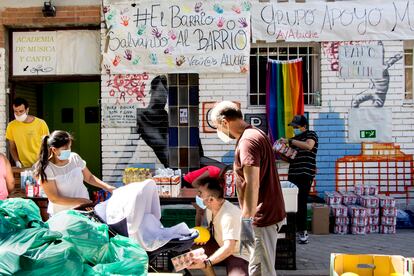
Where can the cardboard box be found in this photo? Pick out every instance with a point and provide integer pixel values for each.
(364, 265)
(320, 219)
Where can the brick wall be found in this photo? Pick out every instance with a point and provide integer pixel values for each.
(32, 17)
(331, 122)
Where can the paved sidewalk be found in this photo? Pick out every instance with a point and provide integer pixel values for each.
(314, 258)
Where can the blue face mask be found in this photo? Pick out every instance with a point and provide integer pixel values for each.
(200, 203)
(297, 131)
(64, 154)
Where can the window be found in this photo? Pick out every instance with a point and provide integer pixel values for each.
(408, 69)
(183, 125)
(309, 52)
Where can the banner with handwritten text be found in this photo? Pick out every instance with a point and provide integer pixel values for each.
(34, 53)
(177, 36)
(38, 53)
(333, 21)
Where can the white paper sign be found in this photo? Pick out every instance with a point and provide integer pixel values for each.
(119, 115)
(361, 61)
(177, 36)
(56, 53)
(370, 125)
(333, 21)
(34, 53)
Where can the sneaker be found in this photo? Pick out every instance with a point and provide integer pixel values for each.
(303, 237)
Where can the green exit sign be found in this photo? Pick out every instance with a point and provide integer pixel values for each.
(368, 134)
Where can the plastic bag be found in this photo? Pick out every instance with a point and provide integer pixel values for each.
(57, 258)
(17, 244)
(126, 258)
(16, 213)
(89, 238)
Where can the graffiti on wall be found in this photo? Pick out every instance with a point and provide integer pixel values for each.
(383, 165)
(130, 88)
(152, 121)
(331, 51)
(378, 87)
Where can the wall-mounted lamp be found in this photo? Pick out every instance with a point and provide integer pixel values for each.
(48, 9)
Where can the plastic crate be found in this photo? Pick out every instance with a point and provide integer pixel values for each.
(286, 263)
(161, 263)
(285, 246)
(365, 264)
(174, 216)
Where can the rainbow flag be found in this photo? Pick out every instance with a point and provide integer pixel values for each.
(284, 96)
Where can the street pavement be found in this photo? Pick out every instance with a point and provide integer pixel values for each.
(314, 258)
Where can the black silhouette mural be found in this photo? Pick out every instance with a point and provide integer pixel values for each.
(152, 121)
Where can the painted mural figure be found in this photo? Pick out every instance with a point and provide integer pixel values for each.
(378, 89)
(152, 121)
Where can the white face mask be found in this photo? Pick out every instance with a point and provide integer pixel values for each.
(223, 137)
(21, 118)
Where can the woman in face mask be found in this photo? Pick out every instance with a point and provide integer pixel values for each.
(302, 168)
(61, 173)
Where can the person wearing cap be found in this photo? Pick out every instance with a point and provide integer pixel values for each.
(302, 168)
(223, 220)
(258, 186)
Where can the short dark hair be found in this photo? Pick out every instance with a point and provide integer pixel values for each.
(214, 185)
(20, 101)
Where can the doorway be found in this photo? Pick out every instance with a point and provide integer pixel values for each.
(73, 107)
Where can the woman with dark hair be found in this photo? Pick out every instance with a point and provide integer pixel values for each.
(62, 172)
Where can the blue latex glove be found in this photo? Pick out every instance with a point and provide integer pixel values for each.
(246, 233)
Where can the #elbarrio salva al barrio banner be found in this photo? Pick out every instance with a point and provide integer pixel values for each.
(177, 36)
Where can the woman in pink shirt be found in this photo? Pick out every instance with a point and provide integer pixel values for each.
(6, 177)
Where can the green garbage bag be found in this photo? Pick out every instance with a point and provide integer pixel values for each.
(16, 213)
(126, 258)
(57, 258)
(89, 238)
(15, 245)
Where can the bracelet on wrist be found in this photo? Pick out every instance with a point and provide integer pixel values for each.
(290, 141)
(207, 263)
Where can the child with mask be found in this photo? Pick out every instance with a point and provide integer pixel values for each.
(61, 173)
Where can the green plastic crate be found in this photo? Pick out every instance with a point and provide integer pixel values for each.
(174, 215)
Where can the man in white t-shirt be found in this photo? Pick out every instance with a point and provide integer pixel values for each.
(224, 224)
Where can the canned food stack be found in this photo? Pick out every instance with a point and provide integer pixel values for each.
(388, 215)
(230, 190)
(371, 203)
(333, 198)
(359, 219)
(338, 211)
(349, 198)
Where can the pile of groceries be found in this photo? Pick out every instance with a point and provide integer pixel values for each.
(362, 211)
(168, 180)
